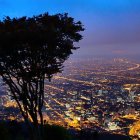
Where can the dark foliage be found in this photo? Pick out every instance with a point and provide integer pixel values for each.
(18, 131)
(4, 133)
(56, 133)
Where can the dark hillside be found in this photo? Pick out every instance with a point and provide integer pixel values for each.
(18, 131)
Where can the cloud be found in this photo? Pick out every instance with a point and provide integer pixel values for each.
(120, 52)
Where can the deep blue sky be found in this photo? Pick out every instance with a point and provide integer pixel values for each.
(112, 26)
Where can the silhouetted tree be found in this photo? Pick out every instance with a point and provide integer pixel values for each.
(32, 49)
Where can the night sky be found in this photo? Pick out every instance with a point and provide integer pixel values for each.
(112, 26)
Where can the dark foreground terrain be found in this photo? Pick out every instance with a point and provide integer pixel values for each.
(13, 130)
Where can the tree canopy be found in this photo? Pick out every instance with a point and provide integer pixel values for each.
(32, 49)
(44, 38)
